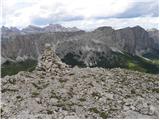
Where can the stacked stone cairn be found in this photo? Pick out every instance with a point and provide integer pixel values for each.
(49, 62)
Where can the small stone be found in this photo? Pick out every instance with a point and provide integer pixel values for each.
(126, 108)
(38, 100)
(132, 108)
(53, 100)
(152, 110)
(70, 117)
(109, 96)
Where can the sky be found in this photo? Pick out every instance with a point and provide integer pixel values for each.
(84, 14)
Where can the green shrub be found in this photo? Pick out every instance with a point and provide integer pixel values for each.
(12, 68)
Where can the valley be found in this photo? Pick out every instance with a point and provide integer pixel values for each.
(55, 90)
(132, 48)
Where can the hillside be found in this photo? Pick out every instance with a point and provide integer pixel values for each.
(134, 41)
(132, 47)
(54, 90)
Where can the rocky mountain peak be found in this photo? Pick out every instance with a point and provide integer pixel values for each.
(60, 28)
(14, 29)
(104, 28)
(54, 27)
(4, 28)
(49, 61)
(152, 29)
(138, 28)
(8, 32)
(31, 29)
(11, 29)
(74, 29)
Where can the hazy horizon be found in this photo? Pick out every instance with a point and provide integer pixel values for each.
(84, 14)
(78, 28)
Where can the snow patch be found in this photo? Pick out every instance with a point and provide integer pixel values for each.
(144, 58)
(19, 58)
(114, 49)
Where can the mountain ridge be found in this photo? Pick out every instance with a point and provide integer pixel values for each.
(94, 48)
(55, 90)
(32, 29)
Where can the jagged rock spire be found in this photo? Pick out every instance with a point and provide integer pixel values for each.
(49, 61)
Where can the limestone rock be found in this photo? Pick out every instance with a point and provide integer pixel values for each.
(50, 62)
(54, 90)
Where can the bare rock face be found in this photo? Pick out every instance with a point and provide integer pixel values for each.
(133, 40)
(31, 29)
(54, 90)
(154, 34)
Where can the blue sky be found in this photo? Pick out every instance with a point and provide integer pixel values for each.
(84, 14)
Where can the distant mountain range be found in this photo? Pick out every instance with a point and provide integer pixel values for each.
(103, 47)
(55, 90)
(31, 29)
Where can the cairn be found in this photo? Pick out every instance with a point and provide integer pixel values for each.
(49, 62)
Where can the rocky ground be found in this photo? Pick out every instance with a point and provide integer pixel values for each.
(54, 90)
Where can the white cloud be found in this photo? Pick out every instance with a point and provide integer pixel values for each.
(146, 22)
(21, 13)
